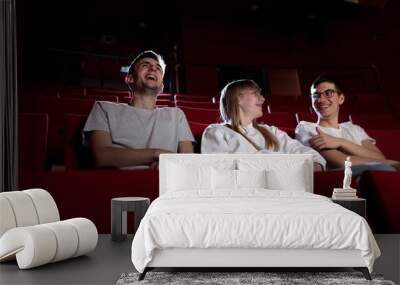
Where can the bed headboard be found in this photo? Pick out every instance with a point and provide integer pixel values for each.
(288, 170)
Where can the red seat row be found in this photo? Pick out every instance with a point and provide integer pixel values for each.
(63, 144)
(56, 108)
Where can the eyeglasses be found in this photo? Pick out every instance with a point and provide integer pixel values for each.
(329, 93)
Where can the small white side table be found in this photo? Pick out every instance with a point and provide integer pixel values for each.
(119, 207)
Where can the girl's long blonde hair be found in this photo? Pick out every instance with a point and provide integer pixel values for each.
(229, 110)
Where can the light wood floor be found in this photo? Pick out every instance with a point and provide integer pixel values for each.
(111, 259)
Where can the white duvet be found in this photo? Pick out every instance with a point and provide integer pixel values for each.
(250, 219)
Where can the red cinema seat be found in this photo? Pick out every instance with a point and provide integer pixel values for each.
(279, 119)
(201, 79)
(98, 97)
(370, 103)
(387, 141)
(125, 100)
(381, 189)
(184, 97)
(76, 89)
(376, 121)
(112, 92)
(348, 106)
(204, 116)
(197, 131)
(284, 81)
(306, 116)
(165, 96)
(279, 100)
(75, 106)
(37, 104)
(32, 141)
(76, 155)
(202, 105)
(290, 106)
(164, 102)
(57, 110)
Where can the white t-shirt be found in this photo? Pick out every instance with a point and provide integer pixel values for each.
(349, 131)
(139, 128)
(218, 138)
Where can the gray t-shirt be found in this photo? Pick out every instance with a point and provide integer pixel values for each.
(139, 128)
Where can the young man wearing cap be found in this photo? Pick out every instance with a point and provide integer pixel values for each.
(134, 135)
(336, 141)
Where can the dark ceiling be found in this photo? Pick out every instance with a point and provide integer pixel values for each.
(65, 25)
(63, 20)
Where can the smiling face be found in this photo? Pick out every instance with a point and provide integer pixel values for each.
(326, 100)
(148, 76)
(250, 103)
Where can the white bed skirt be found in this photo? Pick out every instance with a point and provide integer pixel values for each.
(193, 257)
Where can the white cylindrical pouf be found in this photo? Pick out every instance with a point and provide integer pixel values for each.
(7, 218)
(87, 234)
(45, 205)
(67, 239)
(33, 246)
(23, 208)
(31, 232)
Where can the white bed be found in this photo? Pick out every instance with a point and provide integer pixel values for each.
(236, 210)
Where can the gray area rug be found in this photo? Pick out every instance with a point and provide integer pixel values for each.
(273, 278)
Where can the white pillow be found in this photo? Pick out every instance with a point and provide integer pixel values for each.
(285, 174)
(227, 179)
(251, 178)
(223, 179)
(278, 180)
(188, 177)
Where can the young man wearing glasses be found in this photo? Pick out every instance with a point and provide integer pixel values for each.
(335, 141)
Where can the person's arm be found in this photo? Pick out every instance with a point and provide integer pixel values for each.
(106, 155)
(213, 140)
(367, 150)
(289, 145)
(367, 144)
(185, 147)
(336, 158)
